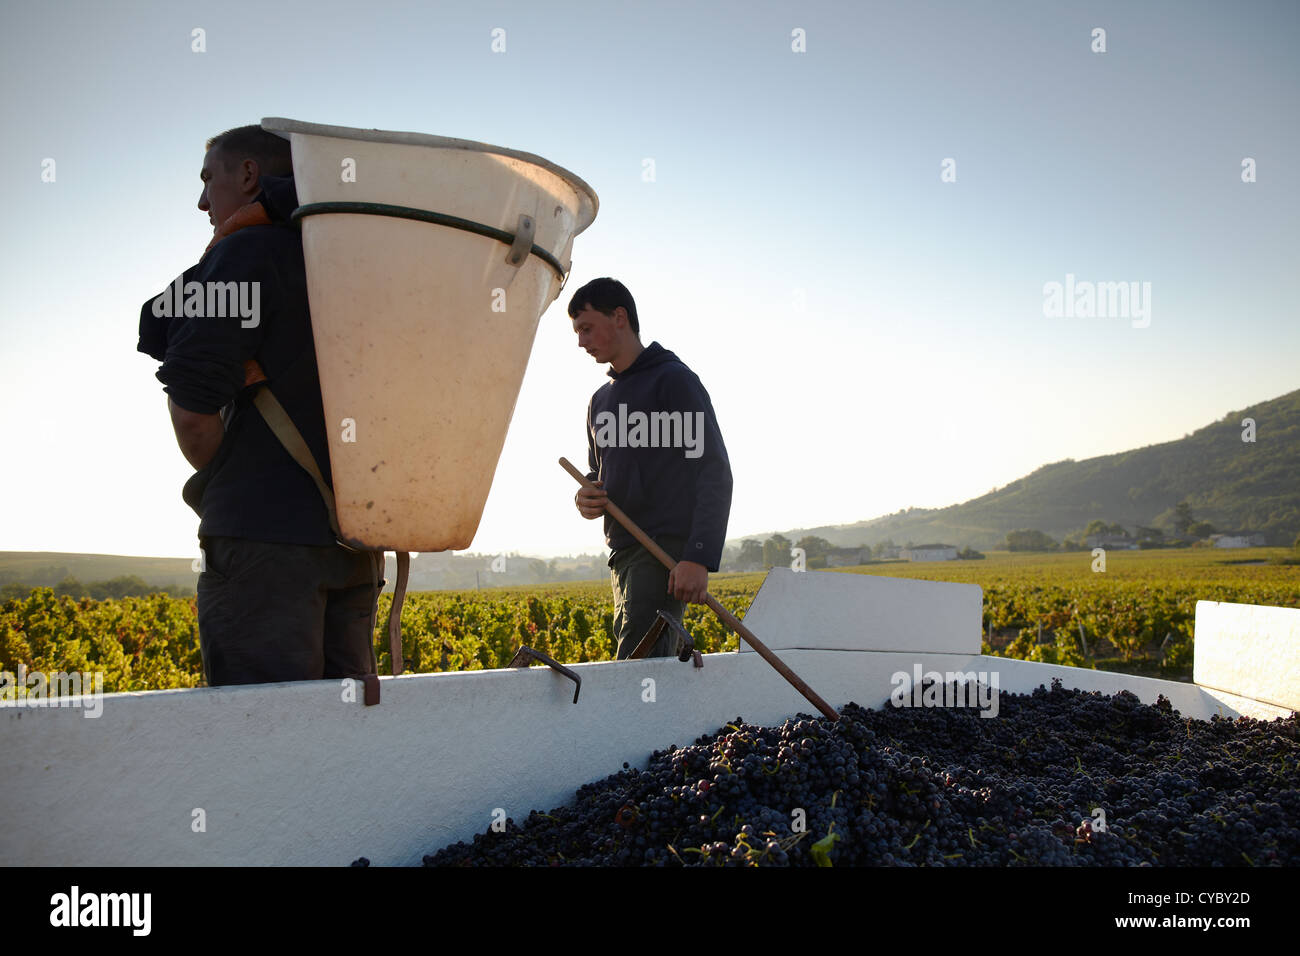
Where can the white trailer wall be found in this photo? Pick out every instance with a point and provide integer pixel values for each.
(305, 774)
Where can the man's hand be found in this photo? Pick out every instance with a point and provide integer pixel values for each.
(688, 582)
(591, 501)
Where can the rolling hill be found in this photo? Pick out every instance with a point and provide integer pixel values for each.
(1233, 484)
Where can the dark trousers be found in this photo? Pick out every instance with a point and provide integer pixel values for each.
(640, 585)
(283, 612)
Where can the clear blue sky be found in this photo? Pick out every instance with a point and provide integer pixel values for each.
(920, 371)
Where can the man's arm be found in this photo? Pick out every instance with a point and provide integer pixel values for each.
(593, 459)
(203, 367)
(199, 436)
(591, 504)
(689, 580)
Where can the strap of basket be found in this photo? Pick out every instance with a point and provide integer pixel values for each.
(278, 420)
(520, 241)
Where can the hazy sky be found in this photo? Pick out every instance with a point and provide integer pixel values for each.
(872, 336)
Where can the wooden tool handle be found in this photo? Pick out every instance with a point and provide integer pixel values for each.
(723, 614)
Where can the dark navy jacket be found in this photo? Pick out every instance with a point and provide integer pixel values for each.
(683, 489)
(252, 488)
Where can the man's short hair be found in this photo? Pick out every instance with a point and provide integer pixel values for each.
(605, 295)
(252, 142)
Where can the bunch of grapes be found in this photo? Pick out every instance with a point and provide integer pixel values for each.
(1058, 777)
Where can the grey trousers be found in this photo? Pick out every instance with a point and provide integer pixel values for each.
(640, 585)
(283, 612)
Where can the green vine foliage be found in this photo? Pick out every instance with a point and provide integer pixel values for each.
(1142, 608)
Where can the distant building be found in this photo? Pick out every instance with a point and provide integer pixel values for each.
(929, 552)
(1112, 542)
(1240, 539)
(846, 557)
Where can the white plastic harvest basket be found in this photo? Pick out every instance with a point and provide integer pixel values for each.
(429, 263)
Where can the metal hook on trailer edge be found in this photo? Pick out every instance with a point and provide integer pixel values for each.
(688, 650)
(526, 654)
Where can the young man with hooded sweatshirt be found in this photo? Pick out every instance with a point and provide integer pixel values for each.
(278, 598)
(655, 450)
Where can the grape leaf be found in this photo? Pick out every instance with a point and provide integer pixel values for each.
(821, 850)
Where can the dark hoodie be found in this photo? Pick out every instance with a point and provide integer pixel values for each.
(252, 488)
(683, 489)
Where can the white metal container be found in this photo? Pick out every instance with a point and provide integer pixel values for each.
(423, 325)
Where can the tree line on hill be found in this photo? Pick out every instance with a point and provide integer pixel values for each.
(1187, 532)
(464, 571)
(776, 551)
(125, 585)
(429, 571)
(818, 553)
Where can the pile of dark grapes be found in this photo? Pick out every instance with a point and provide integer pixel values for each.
(938, 787)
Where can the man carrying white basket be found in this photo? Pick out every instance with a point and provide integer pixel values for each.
(278, 598)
